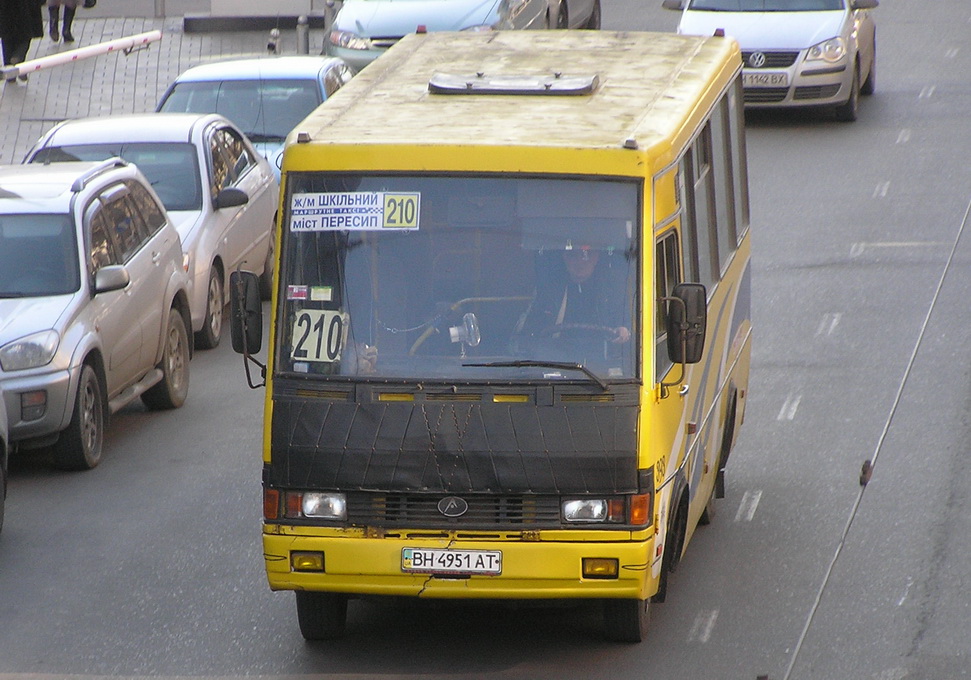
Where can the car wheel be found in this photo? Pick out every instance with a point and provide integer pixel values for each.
(870, 84)
(79, 447)
(208, 337)
(593, 23)
(172, 389)
(562, 16)
(321, 616)
(848, 111)
(3, 493)
(266, 278)
(626, 620)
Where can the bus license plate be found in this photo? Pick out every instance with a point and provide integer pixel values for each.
(765, 79)
(440, 561)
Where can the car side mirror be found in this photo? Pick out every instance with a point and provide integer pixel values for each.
(111, 277)
(863, 4)
(686, 322)
(230, 197)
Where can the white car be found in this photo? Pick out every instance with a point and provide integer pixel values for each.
(794, 52)
(265, 97)
(220, 193)
(363, 30)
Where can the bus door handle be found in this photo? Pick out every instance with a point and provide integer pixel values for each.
(684, 389)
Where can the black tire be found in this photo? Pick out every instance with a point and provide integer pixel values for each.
(266, 278)
(3, 490)
(172, 390)
(869, 85)
(708, 514)
(593, 23)
(212, 329)
(848, 111)
(79, 447)
(562, 16)
(322, 616)
(626, 620)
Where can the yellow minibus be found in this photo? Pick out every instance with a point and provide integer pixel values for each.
(510, 333)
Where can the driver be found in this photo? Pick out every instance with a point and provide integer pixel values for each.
(577, 301)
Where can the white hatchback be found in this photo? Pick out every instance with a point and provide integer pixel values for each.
(794, 52)
(218, 191)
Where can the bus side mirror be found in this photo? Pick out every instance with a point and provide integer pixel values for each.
(246, 312)
(686, 321)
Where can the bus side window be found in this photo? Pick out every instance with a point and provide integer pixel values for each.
(698, 201)
(667, 272)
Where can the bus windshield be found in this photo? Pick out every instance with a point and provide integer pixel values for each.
(460, 277)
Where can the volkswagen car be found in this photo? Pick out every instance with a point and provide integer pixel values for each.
(795, 52)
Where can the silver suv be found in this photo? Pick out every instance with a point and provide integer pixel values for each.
(94, 304)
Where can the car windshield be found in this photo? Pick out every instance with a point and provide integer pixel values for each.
(458, 278)
(171, 168)
(38, 255)
(766, 5)
(266, 110)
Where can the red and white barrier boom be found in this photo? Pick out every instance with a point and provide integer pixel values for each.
(126, 45)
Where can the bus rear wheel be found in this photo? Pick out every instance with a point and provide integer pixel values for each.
(626, 620)
(321, 616)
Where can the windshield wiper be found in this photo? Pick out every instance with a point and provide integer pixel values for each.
(529, 363)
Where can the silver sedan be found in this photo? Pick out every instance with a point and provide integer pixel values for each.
(220, 193)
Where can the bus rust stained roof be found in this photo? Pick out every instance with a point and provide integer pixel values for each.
(645, 80)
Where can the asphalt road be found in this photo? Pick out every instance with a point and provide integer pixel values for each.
(150, 565)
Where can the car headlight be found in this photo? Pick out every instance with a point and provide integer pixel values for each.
(29, 352)
(830, 51)
(349, 41)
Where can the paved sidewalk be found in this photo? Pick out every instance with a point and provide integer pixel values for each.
(115, 83)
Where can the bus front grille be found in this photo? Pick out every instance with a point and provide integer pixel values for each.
(422, 510)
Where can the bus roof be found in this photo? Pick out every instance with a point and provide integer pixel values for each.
(631, 89)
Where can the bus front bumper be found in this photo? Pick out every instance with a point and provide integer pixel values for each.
(529, 570)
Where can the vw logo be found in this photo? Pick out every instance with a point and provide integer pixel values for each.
(453, 506)
(757, 59)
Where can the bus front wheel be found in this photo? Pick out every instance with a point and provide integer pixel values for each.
(321, 615)
(626, 620)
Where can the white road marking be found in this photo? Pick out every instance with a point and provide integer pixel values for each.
(788, 410)
(704, 623)
(881, 190)
(748, 506)
(828, 323)
(903, 136)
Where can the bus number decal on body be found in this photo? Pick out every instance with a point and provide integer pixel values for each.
(318, 335)
(355, 211)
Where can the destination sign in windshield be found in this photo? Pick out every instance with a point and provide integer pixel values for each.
(354, 211)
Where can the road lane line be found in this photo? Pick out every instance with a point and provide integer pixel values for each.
(703, 625)
(788, 410)
(750, 502)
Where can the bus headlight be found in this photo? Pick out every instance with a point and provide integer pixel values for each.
(326, 505)
(634, 510)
